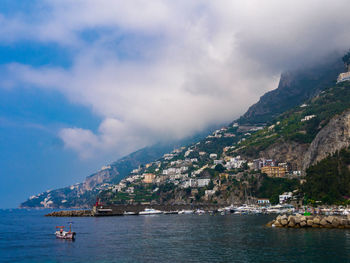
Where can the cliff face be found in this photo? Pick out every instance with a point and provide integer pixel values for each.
(283, 151)
(333, 137)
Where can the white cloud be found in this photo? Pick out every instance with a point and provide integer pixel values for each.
(159, 70)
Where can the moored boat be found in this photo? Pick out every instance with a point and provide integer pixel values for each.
(64, 234)
(150, 211)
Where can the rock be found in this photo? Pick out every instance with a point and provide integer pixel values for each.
(323, 222)
(284, 217)
(309, 222)
(297, 219)
(303, 218)
(303, 223)
(291, 223)
(284, 222)
(277, 224)
(317, 220)
(315, 226)
(335, 222)
(330, 219)
(278, 218)
(343, 222)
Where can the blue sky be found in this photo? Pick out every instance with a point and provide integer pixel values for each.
(84, 82)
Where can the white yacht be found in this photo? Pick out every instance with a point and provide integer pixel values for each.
(150, 211)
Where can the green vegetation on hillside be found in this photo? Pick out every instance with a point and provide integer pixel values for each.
(272, 187)
(290, 127)
(329, 180)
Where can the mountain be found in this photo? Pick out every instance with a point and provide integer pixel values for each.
(243, 162)
(294, 88)
(83, 195)
(298, 112)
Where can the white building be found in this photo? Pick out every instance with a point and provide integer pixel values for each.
(308, 117)
(285, 197)
(218, 162)
(213, 156)
(235, 163)
(343, 77)
(203, 182)
(190, 183)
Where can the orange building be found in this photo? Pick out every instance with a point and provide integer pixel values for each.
(274, 171)
(149, 178)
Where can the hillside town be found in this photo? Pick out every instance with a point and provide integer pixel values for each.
(204, 173)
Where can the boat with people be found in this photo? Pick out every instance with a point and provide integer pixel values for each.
(150, 211)
(61, 234)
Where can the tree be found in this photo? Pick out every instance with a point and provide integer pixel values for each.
(346, 58)
(210, 185)
(220, 168)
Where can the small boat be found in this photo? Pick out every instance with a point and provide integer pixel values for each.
(129, 213)
(150, 211)
(200, 212)
(186, 212)
(64, 234)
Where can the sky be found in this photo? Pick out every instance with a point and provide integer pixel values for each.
(85, 82)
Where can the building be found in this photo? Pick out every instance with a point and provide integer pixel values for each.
(148, 178)
(235, 163)
(203, 182)
(285, 197)
(343, 77)
(274, 171)
(213, 156)
(189, 183)
(263, 201)
(308, 117)
(224, 175)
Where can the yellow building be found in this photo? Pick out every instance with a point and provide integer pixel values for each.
(274, 171)
(148, 178)
(224, 175)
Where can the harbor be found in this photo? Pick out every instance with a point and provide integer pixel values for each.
(146, 209)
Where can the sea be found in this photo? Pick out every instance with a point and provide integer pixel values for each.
(28, 236)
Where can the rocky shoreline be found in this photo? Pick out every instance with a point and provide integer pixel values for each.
(318, 221)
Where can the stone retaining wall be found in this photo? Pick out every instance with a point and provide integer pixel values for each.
(318, 221)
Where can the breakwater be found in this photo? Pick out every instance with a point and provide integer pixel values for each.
(318, 221)
(71, 213)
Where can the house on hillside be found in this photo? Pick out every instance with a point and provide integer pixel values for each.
(343, 77)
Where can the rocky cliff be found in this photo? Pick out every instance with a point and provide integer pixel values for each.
(333, 137)
(286, 151)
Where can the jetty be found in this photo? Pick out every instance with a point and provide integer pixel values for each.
(311, 221)
(71, 213)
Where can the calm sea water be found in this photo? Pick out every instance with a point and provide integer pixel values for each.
(27, 236)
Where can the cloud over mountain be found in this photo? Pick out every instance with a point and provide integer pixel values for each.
(160, 70)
